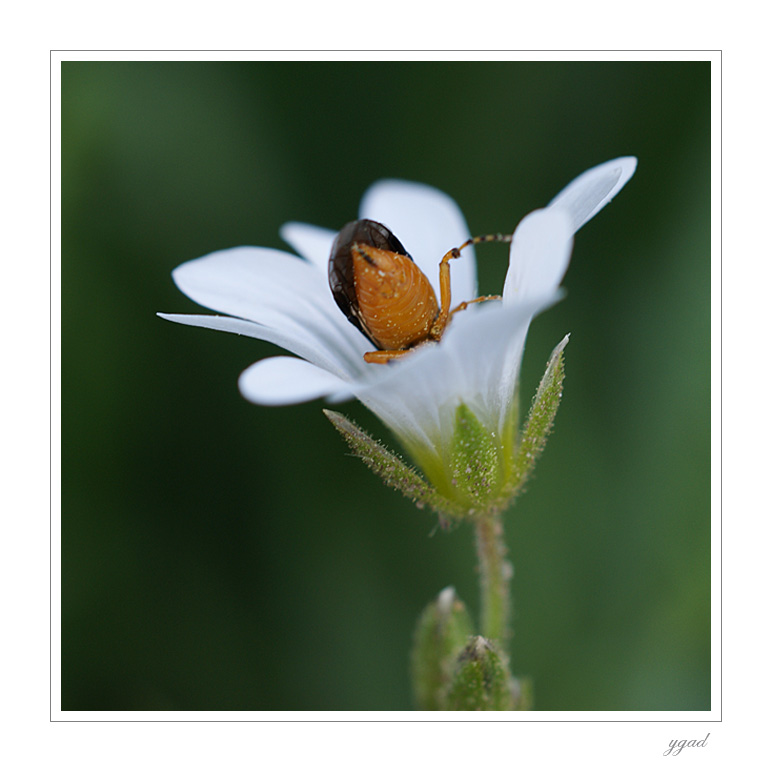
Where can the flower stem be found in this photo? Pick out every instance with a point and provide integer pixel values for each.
(495, 575)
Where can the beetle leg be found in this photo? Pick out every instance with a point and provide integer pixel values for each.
(444, 314)
(462, 306)
(384, 357)
(443, 317)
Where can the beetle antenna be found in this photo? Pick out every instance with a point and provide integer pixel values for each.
(456, 251)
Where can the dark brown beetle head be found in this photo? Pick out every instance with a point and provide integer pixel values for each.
(341, 266)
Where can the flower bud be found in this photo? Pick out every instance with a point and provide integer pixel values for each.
(443, 630)
(481, 680)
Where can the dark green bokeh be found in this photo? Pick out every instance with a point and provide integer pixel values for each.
(223, 556)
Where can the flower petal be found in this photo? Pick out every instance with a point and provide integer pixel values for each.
(310, 241)
(590, 192)
(287, 381)
(429, 223)
(539, 255)
(299, 342)
(276, 290)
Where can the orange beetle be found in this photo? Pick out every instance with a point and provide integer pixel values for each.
(385, 294)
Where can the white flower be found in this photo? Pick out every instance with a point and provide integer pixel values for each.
(278, 297)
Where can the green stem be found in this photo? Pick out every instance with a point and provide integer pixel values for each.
(495, 576)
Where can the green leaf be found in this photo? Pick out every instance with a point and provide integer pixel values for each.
(391, 469)
(481, 680)
(442, 631)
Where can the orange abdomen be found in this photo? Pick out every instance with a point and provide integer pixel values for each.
(395, 299)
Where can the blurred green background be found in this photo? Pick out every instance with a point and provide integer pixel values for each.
(222, 556)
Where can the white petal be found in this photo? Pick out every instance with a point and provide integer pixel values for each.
(286, 381)
(221, 323)
(591, 191)
(276, 290)
(429, 223)
(539, 255)
(300, 342)
(251, 282)
(310, 241)
(489, 346)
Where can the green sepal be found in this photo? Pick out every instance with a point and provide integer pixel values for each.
(540, 420)
(392, 469)
(475, 461)
(443, 629)
(481, 680)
